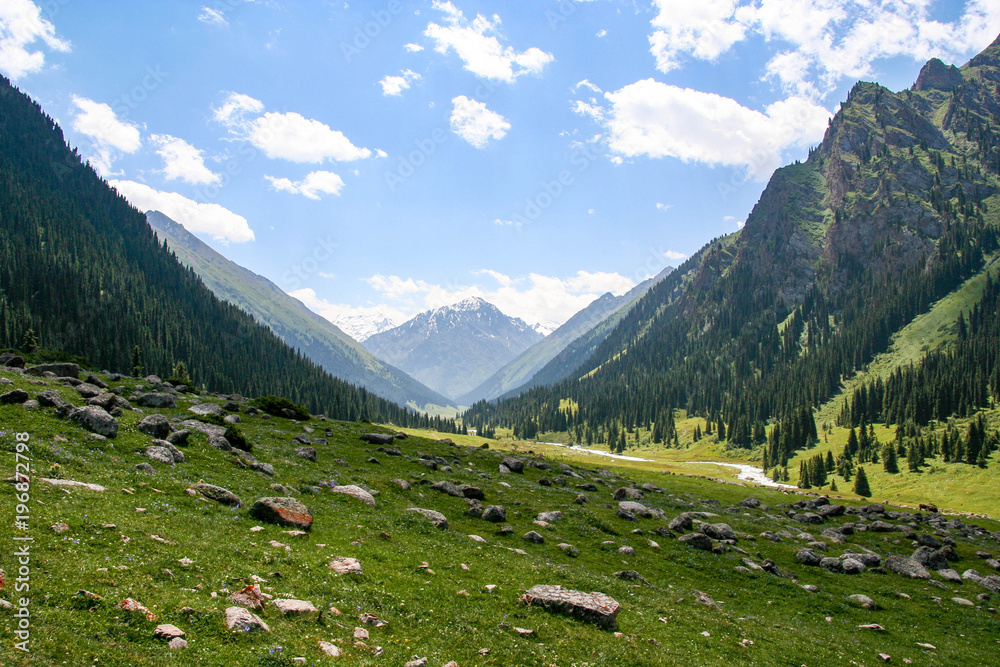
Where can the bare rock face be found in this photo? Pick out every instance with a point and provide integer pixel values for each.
(935, 75)
(597, 608)
(60, 370)
(282, 511)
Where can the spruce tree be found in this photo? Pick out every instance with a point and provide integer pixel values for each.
(861, 483)
(889, 461)
(29, 343)
(136, 362)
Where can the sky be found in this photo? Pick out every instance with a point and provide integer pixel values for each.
(380, 158)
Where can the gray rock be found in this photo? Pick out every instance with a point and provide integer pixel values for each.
(697, 540)
(378, 438)
(307, 453)
(627, 493)
(862, 601)
(807, 557)
(597, 608)
(52, 398)
(59, 370)
(681, 522)
(495, 514)
(156, 426)
(580, 499)
(626, 550)
(88, 390)
(156, 400)
(930, 558)
(750, 502)
(218, 494)
(472, 492)
(926, 540)
(219, 442)
(243, 621)
(832, 564)
(356, 492)
(232, 419)
(203, 409)
(852, 566)
(437, 519)
(533, 537)
(449, 488)
(906, 567)
(96, 420)
(827, 511)
(626, 515)
(179, 438)
(159, 454)
(550, 517)
(882, 527)
(176, 453)
(32, 404)
(513, 464)
(15, 397)
(719, 531)
(144, 467)
(569, 549)
(11, 360)
(282, 511)
(950, 576)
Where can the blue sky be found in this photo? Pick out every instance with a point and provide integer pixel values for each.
(389, 156)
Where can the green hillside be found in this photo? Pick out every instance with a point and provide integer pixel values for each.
(291, 321)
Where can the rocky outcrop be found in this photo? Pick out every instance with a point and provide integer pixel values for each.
(282, 511)
(597, 608)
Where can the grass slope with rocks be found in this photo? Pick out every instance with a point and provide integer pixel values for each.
(449, 597)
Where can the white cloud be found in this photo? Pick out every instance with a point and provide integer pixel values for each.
(314, 185)
(413, 48)
(827, 40)
(212, 17)
(394, 85)
(234, 110)
(663, 207)
(656, 120)
(184, 161)
(21, 25)
(602, 33)
(219, 222)
(673, 254)
(110, 135)
(472, 121)
(587, 84)
(351, 319)
(535, 299)
(477, 44)
(288, 136)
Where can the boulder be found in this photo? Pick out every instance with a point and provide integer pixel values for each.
(750, 502)
(159, 454)
(449, 488)
(88, 390)
(179, 438)
(827, 511)
(96, 420)
(52, 398)
(513, 464)
(11, 360)
(862, 601)
(156, 426)
(681, 522)
(627, 493)
(203, 409)
(59, 370)
(697, 540)
(239, 619)
(852, 566)
(807, 557)
(472, 492)
(437, 519)
(495, 513)
(307, 453)
(533, 537)
(16, 396)
(719, 531)
(176, 453)
(343, 565)
(378, 438)
(218, 494)
(282, 511)
(156, 400)
(907, 567)
(355, 492)
(930, 558)
(635, 508)
(289, 608)
(550, 517)
(597, 608)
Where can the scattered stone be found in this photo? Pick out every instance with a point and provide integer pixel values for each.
(437, 519)
(907, 567)
(59, 370)
(862, 601)
(472, 492)
(96, 420)
(128, 604)
(852, 566)
(495, 514)
(250, 597)
(159, 454)
(513, 464)
(872, 626)
(177, 454)
(239, 619)
(596, 608)
(307, 453)
(177, 644)
(343, 565)
(156, 426)
(697, 540)
(17, 396)
(626, 550)
(282, 511)
(533, 537)
(719, 531)
(58, 528)
(289, 608)
(378, 438)
(156, 400)
(167, 631)
(356, 492)
(569, 549)
(448, 488)
(218, 494)
(550, 517)
(329, 650)
(808, 557)
(144, 467)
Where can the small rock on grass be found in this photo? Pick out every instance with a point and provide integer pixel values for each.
(241, 620)
(168, 631)
(329, 649)
(342, 565)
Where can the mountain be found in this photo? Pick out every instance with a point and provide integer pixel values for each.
(454, 348)
(290, 320)
(897, 207)
(363, 327)
(584, 331)
(81, 267)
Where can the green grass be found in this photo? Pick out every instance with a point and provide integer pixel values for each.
(660, 624)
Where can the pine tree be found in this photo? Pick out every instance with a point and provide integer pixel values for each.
(889, 461)
(861, 487)
(804, 476)
(833, 485)
(136, 362)
(29, 343)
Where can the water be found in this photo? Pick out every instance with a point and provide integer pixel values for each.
(597, 452)
(749, 473)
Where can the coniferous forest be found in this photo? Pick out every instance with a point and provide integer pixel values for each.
(80, 267)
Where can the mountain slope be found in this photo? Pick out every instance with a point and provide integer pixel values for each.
(453, 349)
(583, 332)
(80, 266)
(290, 320)
(895, 208)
